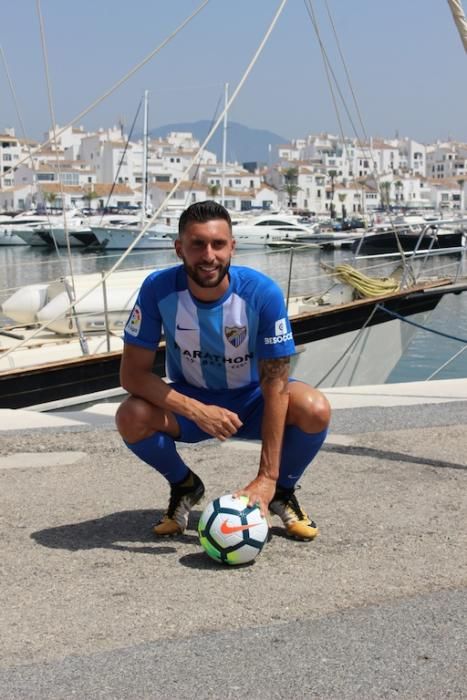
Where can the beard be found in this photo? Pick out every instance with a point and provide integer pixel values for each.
(206, 280)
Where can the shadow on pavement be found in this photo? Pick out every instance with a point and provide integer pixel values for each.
(393, 456)
(200, 560)
(115, 531)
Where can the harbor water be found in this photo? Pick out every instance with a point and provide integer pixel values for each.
(427, 352)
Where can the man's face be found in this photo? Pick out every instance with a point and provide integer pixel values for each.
(206, 250)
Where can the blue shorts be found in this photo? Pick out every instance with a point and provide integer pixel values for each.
(247, 402)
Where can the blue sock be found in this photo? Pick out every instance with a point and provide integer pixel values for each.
(298, 450)
(159, 451)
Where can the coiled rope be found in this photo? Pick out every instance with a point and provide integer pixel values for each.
(365, 286)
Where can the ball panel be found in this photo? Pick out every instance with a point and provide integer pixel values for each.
(231, 531)
(210, 549)
(205, 515)
(242, 556)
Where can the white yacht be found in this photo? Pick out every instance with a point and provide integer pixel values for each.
(12, 228)
(279, 228)
(7, 236)
(158, 236)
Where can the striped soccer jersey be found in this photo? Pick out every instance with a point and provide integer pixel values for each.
(213, 345)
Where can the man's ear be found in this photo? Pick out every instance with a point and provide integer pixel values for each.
(178, 247)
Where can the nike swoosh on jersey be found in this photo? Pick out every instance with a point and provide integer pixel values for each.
(180, 328)
(227, 529)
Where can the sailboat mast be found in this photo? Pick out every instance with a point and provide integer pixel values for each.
(224, 143)
(145, 158)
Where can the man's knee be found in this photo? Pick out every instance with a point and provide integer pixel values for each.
(321, 410)
(133, 419)
(309, 409)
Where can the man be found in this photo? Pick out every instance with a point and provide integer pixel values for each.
(228, 347)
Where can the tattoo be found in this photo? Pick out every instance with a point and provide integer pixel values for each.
(269, 370)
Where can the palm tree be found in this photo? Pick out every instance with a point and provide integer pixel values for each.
(89, 196)
(385, 188)
(342, 198)
(399, 189)
(332, 174)
(291, 185)
(213, 190)
(461, 188)
(50, 198)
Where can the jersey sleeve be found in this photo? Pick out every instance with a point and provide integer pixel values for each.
(144, 325)
(275, 337)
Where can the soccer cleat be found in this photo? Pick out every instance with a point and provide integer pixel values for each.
(183, 497)
(296, 521)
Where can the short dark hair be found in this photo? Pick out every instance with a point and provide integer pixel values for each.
(200, 212)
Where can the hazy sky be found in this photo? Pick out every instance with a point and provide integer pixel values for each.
(405, 58)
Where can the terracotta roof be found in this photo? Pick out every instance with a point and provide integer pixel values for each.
(56, 188)
(15, 188)
(185, 185)
(103, 188)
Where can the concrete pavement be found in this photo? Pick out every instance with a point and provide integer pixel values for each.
(94, 607)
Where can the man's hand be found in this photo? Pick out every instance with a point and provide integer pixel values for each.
(260, 492)
(217, 421)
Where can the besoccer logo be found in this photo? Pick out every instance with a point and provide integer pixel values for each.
(280, 327)
(235, 335)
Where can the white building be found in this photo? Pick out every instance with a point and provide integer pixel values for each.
(11, 151)
(447, 160)
(17, 198)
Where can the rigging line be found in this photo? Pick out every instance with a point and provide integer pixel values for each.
(71, 290)
(348, 348)
(195, 173)
(347, 72)
(327, 66)
(55, 141)
(121, 159)
(448, 362)
(329, 70)
(18, 113)
(119, 82)
(176, 184)
(459, 20)
(419, 325)
(361, 142)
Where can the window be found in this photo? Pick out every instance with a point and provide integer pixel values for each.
(7, 156)
(70, 178)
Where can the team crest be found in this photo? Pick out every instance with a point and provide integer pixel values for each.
(235, 335)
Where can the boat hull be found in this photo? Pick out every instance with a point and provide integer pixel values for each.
(317, 333)
(387, 242)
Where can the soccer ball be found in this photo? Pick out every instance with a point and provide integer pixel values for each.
(232, 532)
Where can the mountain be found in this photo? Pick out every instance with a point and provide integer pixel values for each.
(243, 144)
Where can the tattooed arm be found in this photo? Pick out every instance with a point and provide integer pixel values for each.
(274, 375)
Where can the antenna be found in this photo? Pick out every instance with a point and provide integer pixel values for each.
(121, 124)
